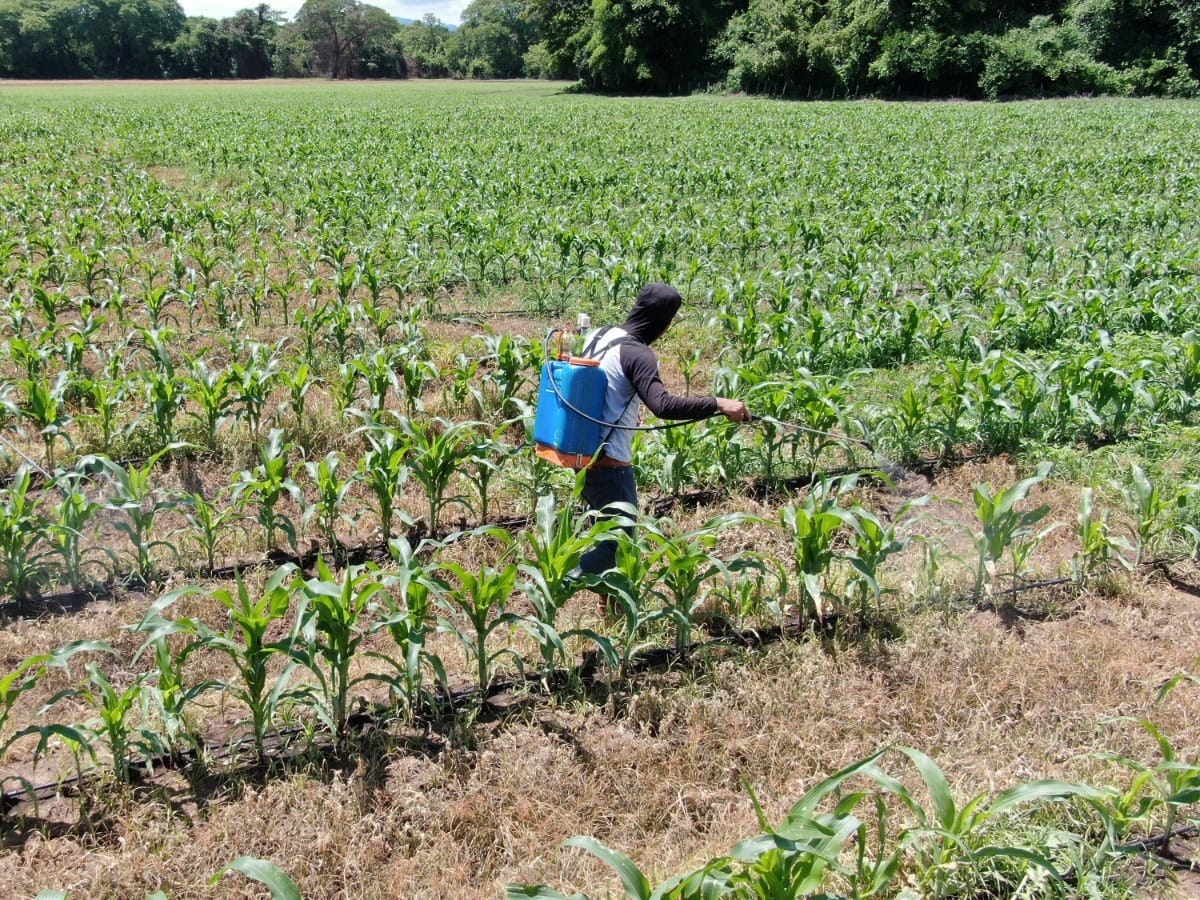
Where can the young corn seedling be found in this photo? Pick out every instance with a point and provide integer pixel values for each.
(813, 529)
(480, 598)
(435, 452)
(328, 507)
(65, 531)
(554, 546)
(141, 504)
(1157, 795)
(328, 635)
(114, 725)
(1004, 528)
(169, 694)
(254, 382)
(685, 562)
(45, 409)
(106, 398)
(211, 392)
(1154, 512)
(245, 642)
(265, 486)
(629, 592)
(408, 618)
(209, 525)
(482, 461)
(873, 541)
(298, 382)
(384, 471)
(1098, 546)
(23, 679)
(23, 531)
(953, 846)
(379, 372)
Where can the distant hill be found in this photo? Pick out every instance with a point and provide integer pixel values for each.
(403, 21)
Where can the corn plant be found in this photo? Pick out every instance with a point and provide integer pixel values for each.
(813, 529)
(298, 382)
(675, 463)
(482, 461)
(46, 410)
(168, 692)
(416, 371)
(23, 679)
(379, 372)
(209, 525)
(1157, 794)
(481, 599)
(212, 394)
(952, 845)
(253, 383)
(799, 857)
(1153, 511)
(265, 486)
(1098, 546)
(873, 540)
(435, 451)
(65, 530)
(408, 618)
(115, 706)
(684, 563)
(628, 589)
(328, 635)
(141, 504)
(554, 546)
(384, 470)
(328, 507)
(245, 642)
(511, 363)
(1004, 528)
(23, 532)
(106, 398)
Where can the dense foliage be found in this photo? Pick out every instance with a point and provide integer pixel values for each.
(778, 47)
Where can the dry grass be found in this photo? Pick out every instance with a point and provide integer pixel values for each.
(994, 697)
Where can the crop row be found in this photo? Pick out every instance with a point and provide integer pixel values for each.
(835, 565)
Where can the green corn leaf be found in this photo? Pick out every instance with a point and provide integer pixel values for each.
(537, 892)
(265, 872)
(637, 886)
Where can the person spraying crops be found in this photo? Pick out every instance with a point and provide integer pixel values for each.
(630, 379)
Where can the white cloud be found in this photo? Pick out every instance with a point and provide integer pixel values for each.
(448, 11)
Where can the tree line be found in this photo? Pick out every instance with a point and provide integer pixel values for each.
(795, 48)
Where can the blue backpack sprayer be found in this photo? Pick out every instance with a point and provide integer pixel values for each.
(567, 429)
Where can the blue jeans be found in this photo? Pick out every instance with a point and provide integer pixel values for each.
(602, 486)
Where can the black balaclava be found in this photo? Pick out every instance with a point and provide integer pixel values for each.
(655, 308)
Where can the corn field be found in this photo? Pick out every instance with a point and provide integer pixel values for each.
(269, 365)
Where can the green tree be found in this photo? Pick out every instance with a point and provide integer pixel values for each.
(252, 40)
(493, 39)
(662, 46)
(424, 46)
(202, 50)
(342, 31)
(563, 27)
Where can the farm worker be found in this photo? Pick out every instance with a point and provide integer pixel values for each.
(632, 372)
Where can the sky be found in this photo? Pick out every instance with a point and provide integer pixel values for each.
(448, 11)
